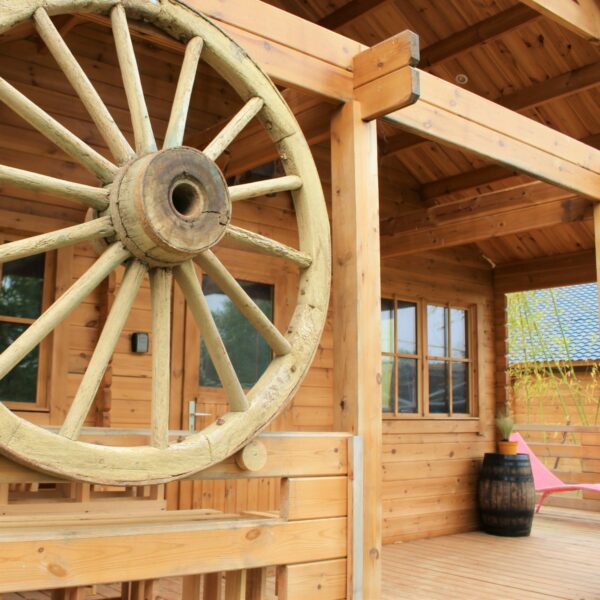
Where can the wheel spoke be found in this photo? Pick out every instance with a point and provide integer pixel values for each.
(111, 134)
(54, 131)
(233, 128)
(160, 284)
(98, 228)
(261, 188)
(38, 330)
(188, 281)
(259, 243)
(213, 267)
(185, 85)
(86, 194)
(104, 350)
(142, 127)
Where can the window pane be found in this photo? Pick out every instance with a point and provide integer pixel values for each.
(249, 353)
(437, 330)
(21, 287)
(20, 384)
(387, 325)
(438, 387)
(407, 328)
(388, 384)
(460, 387)
(407, 385)
(458, 323)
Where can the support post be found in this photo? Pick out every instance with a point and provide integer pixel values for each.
(356, 310)
(597, 244)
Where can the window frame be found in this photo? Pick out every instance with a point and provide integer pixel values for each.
(423, 358)
(41, 403)
(239, 266)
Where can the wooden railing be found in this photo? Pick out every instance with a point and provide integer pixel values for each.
(572, 452)
(67, 543)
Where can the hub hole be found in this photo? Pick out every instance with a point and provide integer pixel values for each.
(187, 199)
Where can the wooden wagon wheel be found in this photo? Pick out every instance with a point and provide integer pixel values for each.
(157, 211)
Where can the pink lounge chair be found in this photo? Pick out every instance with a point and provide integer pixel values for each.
(544, 480)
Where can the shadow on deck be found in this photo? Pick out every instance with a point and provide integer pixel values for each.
(560, 560)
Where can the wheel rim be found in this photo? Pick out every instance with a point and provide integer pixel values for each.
(134, 234)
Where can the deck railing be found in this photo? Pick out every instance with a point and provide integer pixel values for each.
(572, 452)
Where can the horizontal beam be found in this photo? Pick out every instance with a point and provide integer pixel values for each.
(538, 94)
(383, 78)
(314, 454)
(580, 16)
(389, 93)
(470, 226)
(80, 555)
(293, 51)
(456, 117)
(476, 180)
(573, 268)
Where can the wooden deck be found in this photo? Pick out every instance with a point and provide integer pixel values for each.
(560, 560)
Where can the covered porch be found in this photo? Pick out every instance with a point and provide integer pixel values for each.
(561, 559)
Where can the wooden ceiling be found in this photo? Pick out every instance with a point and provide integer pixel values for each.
(509, 54)
(506, 52)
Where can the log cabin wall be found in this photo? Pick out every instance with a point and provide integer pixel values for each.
(430, 465)
(124, 398)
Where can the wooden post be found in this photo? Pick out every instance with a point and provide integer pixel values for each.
(356, 310)
(597, 241)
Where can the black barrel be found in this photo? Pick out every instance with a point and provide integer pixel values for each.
(506, 494)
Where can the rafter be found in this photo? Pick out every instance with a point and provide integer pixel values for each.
(349, 12)
(478, 178)
(548, 271)
(580, 16)
(475, 225)
(476, 34)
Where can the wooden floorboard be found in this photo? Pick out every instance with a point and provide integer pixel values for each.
(560, 560)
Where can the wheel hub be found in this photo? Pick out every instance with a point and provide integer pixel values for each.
(170, 205)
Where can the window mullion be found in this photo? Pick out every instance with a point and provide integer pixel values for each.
(449, 363)
(396, 374)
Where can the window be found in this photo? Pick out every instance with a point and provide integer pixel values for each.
(248, 351)
(427, 365)
(22, 298)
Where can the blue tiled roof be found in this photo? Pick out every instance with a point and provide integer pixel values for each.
(573, 335)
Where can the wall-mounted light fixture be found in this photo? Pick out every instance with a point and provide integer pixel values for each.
(140, 342)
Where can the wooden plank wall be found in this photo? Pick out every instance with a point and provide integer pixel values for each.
(125, 399)
(430, 466)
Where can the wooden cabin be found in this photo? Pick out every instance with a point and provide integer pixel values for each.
(209, 392)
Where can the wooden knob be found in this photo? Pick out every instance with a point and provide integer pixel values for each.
(252, 457)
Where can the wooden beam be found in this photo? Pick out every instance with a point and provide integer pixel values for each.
(277, 40)
(549, 271)
(356, 310)
(477, 179)
(537, 94)
(83, 555)
(349, 12)
(383, 79)
(396, 52)
(580, 16)
(456, 117)
(388, 93)
(474, 227)
(572, 82)
(476, 34)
